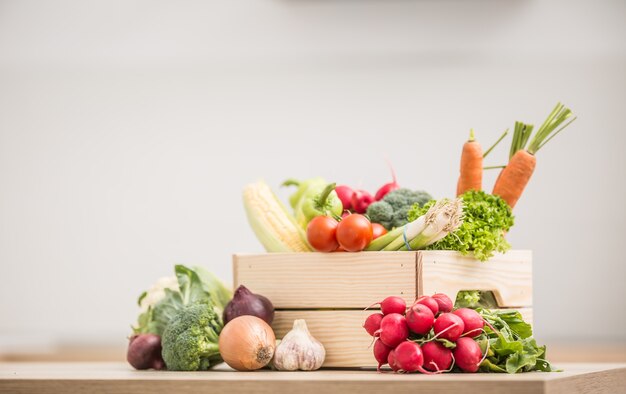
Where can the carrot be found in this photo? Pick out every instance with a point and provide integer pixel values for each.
(471, 177)
(515, 176)
(513, 179)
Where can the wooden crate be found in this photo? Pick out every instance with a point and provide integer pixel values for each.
(330, 290)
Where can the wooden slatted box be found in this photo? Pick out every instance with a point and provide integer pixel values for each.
(331, 290)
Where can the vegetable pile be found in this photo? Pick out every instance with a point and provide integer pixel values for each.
(431, 337)
(181, 328)
(180, 322)
(330, 218)
(191, 321)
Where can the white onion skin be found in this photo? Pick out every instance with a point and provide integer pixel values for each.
(247, 343)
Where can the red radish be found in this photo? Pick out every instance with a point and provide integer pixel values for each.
(345, 195)
(444, 302)
(436, 356)
(420, 319)
(391, 304)
(467, 354)
(448, 326)
(387, 187)
(430, 302)
(409, 357)
(473, 323)
(381, 353)
(361, 199)
(391, 360)
(372, 323)
(393, 329)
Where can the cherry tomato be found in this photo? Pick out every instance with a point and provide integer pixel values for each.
(378, 230)
(321, 232)
(354, 232)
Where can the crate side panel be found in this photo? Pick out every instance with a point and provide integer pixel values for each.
(341, 332)
(508, 275)
(327, 280)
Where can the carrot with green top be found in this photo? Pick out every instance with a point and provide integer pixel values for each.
(522, 161)
(471, 176)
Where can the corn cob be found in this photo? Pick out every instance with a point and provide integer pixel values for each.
(274, 227)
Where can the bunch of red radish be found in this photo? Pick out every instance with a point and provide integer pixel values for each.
(357, 200)
(412, 340)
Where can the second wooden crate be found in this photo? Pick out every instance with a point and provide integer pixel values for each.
(331, 290)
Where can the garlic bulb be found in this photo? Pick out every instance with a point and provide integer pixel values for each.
(299, 350)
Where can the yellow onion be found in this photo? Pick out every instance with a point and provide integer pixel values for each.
(247, 343)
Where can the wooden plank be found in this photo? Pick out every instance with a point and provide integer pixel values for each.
(114, 378)
(341, 332)
(558, 352)
(327, 280)
(508, 275)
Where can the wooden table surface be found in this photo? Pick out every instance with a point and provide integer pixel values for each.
(120, 378)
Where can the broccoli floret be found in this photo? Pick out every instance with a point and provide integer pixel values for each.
(400, 217)
(190, 340)
(380, 212)
(400, 202)
(400, 198)
(421, 197)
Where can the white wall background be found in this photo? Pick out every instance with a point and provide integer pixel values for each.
(128, 128)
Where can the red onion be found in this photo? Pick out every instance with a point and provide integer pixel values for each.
(245, 302)
(144, 352)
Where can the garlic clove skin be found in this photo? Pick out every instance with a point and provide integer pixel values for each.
(299, 350)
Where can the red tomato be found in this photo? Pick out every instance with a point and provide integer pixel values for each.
(354, 232)
(378, 230)
(321, 234)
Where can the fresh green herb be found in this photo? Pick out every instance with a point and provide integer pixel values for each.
(486, 219)
(511, 348)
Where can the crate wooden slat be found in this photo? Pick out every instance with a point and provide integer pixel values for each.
(341, 332)
(326, 280)
(508, 276)
(355, 280)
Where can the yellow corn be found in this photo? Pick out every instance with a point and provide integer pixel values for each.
(274, 227)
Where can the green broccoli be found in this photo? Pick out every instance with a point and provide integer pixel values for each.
(393, 209)
(400, 216)
(380, 212)
(190, 340)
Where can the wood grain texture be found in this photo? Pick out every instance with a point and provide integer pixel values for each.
(355, 280)
(508, 275)
(114, 378)
(341, 332)
(327, 280)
